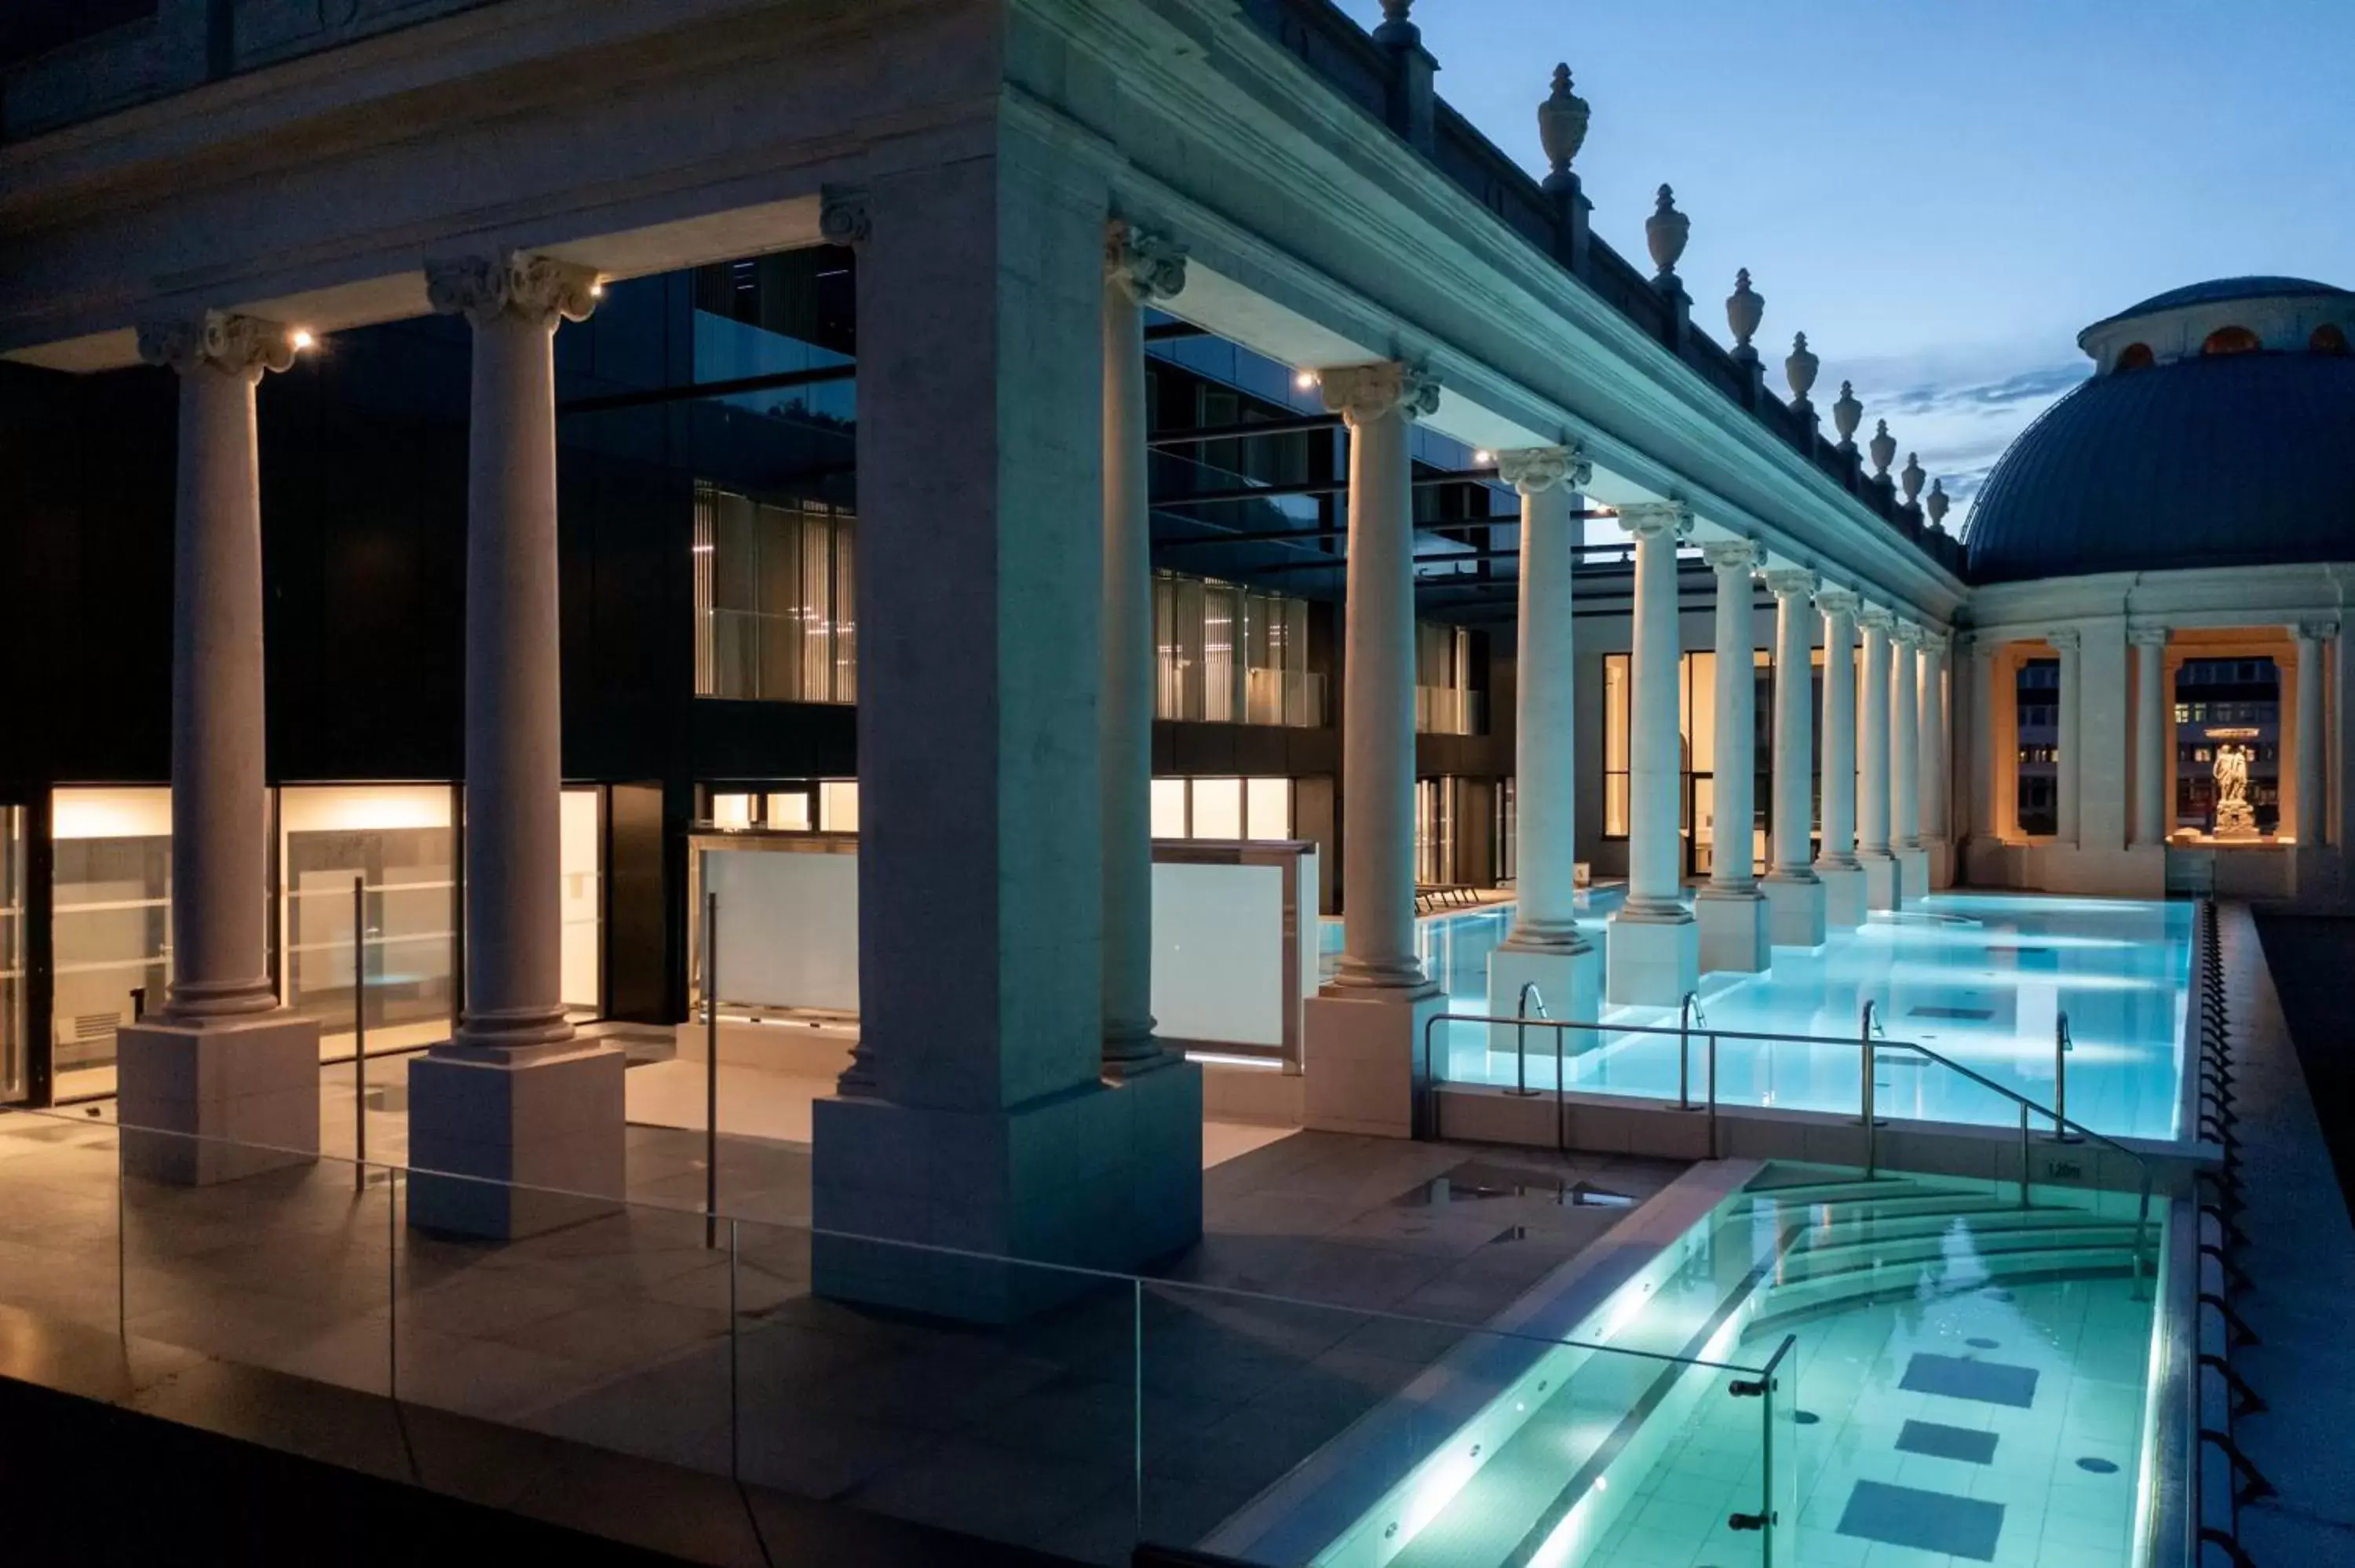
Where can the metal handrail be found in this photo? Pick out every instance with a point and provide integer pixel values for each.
(2062, 1045)
(1870, 1044)
(1687, 1011)
(1529, 992)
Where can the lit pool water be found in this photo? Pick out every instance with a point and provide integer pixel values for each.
(1964, 1380)
(1978, 978)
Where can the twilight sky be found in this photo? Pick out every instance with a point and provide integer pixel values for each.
(1939, 193)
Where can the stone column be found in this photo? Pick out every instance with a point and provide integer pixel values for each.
(1139, 268)
(2154, 735)
(2067, 772)
(1937, 764)
(1905, 762)
(1980, 657)
(1730, 910)
(512, 1097)
(1794, 897)
(221, 1061)
(1544, 946)
(1881, 888)
(982, 1118)
(2312, 744)
(1364, 1030)
(1653, 953)
(1837, 866)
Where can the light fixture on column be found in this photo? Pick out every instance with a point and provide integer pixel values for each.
(301, 339)
(597, 289)
(1483, 458)
(1305, 380)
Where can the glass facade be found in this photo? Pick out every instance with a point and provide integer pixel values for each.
(1445, 700)
(400, 843)
(1225, 654)
(1226, 809)
(13, 1062)
(775, 611)
(110, 924)
(1697, 725)
(800, 806)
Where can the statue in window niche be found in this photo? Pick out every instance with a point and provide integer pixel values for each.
(2234, 820)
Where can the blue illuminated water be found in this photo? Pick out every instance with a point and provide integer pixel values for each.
(1978, 978)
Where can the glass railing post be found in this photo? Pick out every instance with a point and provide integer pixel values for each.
(2023, 1154)
(735, 1364)
(1136, 1411)
(391, 1281)
(121, 1239)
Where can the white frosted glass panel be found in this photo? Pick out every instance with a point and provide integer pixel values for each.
(583, 868)
(788, 927)
(1218, 808)
(1269, 805)
(789, 811)
(341, 809)
(1217, 953)
(732, 811)
(1169, 808)
(838, 805)
(110, 814)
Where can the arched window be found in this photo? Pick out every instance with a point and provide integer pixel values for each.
(2135, 356)
(2328, 338)
(2231, 340)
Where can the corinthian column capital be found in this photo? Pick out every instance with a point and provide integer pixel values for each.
(240, 346)
(1147, 267)
(1904, 633)
(1361, 394)
(1790, 582)
(2147, 636)
(1836, 601)
(845, 215)
(1872, 618)
(532, 288)
(2065, 640)
(2316, 631)
(1651, 519)
(1531, 470)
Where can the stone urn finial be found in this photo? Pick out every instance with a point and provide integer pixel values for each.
(1846, 414)
(1744, 309)
(1561, 123)
(1883, 448)
(1398, 26)
(1665, 232)
(1911, 477)
(1937, 504)
(1800, 369)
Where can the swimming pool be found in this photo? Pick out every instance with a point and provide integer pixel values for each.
(1960, 1378)
(1978, 978)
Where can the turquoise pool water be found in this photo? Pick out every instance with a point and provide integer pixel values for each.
(1977, 978)
(1964, 1382)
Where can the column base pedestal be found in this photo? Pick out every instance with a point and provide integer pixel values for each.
(1570, 985)
(201, 1103)
(1794, 912)
(1883, 881)
(1105, 1176)
(1843, 895)
(1914, 875)
(1734, 931)
(503, 1145)
(1362, 1058)
(1942, 861)
(1652, 963)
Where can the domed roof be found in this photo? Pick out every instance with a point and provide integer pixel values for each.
(2216, 459)
(2217, 290)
